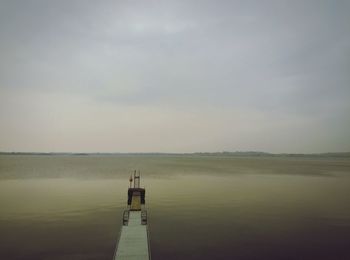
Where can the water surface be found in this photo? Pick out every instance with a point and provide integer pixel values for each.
(70, 207)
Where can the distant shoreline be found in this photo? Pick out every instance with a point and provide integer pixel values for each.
(229, 154)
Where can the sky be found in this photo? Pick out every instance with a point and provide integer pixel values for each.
(175, 76)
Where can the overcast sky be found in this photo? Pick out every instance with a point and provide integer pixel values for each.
(174, 76)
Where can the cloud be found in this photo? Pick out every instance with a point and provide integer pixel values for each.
(282, 66)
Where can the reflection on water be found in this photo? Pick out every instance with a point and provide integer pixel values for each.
(235, 208)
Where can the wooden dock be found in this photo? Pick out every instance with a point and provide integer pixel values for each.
(133, 243)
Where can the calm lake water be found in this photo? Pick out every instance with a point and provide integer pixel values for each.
(70, 207)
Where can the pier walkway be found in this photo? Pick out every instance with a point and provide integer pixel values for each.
(133, 243)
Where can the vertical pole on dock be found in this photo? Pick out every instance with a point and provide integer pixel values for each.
(137, 180)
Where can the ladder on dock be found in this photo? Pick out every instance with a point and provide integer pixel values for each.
(133, 243)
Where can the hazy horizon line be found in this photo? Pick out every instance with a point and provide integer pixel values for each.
(257, 153)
